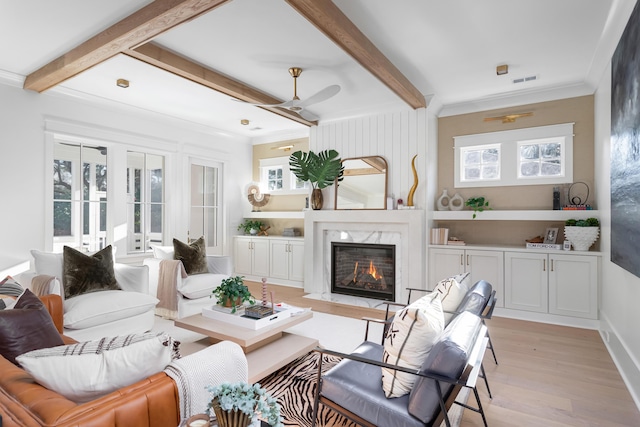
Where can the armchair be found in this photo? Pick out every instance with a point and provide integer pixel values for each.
(97, 314)
(193, 292)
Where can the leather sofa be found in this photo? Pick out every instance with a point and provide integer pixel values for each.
(152, 402)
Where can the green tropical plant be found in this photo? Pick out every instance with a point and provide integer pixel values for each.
(232, 291)
(478, 204)
(589, 222)
(321, 169)
(249, 224)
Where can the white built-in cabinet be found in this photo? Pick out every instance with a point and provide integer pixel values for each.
(481, 264)
(557, 283)
(279, 259)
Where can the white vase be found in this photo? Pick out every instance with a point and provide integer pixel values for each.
(456, 203)
(253, 231)
(443, 201)
(581, 237)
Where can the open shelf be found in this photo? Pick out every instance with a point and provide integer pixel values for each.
(514, 215)
(275, 214)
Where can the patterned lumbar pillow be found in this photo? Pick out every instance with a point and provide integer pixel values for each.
(27, 326)
(85, 371)
(193, 255)
(451, 291)
(10, 290)
(88, 273)
(408, 341)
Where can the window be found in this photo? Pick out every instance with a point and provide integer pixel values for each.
(145, 201)
(205, 216)
(79, 196)
(276, 177)
(529, 156)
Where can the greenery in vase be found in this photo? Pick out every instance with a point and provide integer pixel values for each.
(232, 289)
(249, 224)
(589, 222)
(478, 204)
(252, 400)
(321, 169)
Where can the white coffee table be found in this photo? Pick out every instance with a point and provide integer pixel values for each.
(267, 349)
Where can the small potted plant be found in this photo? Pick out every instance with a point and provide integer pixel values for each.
(478, 204)
(239, 404)
(251, 226)
(582, 233)
(232, 292)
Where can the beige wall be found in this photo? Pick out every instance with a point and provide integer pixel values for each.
(577, 110)
(280, 203)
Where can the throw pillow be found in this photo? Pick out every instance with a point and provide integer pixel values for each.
(28, 326)
(88, 273)
(408, 341)
(99, 308)
(85, 371)
(451, 292)
(193, 255)
(10, 287)
(163, 252)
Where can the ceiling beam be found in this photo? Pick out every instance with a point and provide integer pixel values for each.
(329, 19)
(134, 30)
(157, 56)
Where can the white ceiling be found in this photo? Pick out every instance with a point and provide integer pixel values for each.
(448, 49)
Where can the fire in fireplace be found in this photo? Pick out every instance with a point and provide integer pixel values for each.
(363, 269)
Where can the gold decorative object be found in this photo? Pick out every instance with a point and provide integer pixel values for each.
(230, 418)
(415, 182)
(508, 118)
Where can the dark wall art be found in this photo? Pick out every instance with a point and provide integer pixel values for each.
(625, 148)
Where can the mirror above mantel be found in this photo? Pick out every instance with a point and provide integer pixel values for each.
(364, 184)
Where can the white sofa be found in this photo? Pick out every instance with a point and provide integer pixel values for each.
(194, 291)
(98, 314)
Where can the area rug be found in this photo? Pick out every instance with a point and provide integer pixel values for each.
(295, 385)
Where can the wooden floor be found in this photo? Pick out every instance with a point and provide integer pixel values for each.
(548, 375)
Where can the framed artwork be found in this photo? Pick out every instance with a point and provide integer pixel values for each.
(625, 148)
(550, 236)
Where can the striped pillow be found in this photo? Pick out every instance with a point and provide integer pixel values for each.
(10, 287)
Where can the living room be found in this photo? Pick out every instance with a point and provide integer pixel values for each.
(31, 121)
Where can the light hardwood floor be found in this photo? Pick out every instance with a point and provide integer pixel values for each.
(548, 375)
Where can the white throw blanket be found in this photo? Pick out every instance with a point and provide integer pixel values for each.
(167, 291)
(222, 362)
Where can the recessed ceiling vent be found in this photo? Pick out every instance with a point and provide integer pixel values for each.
(525, 79)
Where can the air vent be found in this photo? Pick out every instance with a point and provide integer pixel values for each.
(525, 79)
(256, 128)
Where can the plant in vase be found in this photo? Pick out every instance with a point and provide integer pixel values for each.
(582, 233)
(239, 404)
(232, 292)
(478, 204)
(251, 226)
(321, 170)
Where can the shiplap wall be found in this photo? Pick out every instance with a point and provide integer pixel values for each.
(396, 136)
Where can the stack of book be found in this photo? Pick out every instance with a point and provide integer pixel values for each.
(439, 236)
(456, 241)
(290, 232)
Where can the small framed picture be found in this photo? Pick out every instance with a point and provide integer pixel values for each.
(551, 235)
(566, 245)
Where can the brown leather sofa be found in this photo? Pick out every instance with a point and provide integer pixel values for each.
(150, 402)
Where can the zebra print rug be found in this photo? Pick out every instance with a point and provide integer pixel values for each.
(295, 386)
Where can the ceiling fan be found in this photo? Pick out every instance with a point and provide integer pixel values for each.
(297, 105)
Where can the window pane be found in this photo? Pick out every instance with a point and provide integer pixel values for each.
(551, 169)
(472, 157)
(490, 172)
(471, 173)
(530, 169)
(156, 218)
(62, 218)
(529, 152)
(62, 179)
(490, 156)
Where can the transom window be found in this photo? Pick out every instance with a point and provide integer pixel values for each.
(276, 177)
(529, 156)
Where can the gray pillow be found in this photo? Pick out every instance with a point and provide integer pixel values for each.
(10, 287)
(193, 256)
(88, 273)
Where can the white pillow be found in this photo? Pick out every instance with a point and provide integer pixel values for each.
(85, 371)
(408, 341)
(451, 293)
(97, 308)
(163, 252)
(200, 285)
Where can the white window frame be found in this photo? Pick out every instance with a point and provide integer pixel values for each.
(509, 143)
(288, 178)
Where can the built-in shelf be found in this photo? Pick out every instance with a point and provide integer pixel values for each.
(276, 214)
(520, 215)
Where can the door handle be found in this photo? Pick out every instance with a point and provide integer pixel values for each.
(544, 265)
(551, 264)
(467, 259)
(461, 259)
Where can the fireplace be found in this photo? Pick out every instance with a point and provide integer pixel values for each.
(363, 269)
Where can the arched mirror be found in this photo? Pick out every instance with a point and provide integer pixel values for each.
(364, 184)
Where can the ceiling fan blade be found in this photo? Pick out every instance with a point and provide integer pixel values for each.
(308, 116)
(285, 104)
(323, 95)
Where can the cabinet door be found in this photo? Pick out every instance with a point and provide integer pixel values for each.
(489, 266)
(279, 263)
(444, 263)
(573, 285)
(260, 257)
(243, 256)
(525, 281)
(296, 261)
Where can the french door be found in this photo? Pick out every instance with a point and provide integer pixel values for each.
(205, 217)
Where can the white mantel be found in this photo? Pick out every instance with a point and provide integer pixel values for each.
(404, 228)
